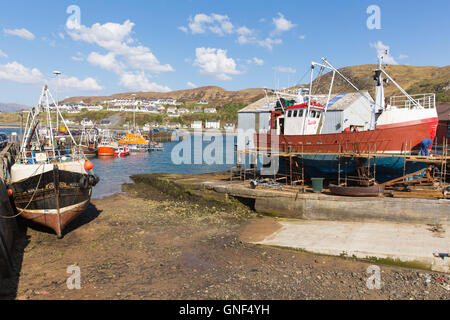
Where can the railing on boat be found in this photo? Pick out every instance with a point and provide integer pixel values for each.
(47, 156)
(426, 100)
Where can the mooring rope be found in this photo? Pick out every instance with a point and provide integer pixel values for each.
(32, 197)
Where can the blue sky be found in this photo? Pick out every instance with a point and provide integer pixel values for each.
(123, 46)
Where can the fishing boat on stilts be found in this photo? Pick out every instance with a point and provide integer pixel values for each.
(51, 185)
(298, 121)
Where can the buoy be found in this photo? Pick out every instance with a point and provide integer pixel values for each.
(88, 165)
(10, 192)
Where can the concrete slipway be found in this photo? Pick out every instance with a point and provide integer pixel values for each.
(398, 229)
(414, 243)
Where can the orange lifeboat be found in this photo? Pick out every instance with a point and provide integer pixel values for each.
(105, 149)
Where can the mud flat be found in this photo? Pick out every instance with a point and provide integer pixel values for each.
(167, 240)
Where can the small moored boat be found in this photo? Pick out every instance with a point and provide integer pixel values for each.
(122, 151)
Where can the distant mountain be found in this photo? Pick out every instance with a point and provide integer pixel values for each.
(12, 107)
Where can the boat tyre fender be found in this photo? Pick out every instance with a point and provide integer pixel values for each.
(96, 180)
(84, 182)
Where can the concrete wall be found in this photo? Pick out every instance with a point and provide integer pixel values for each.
(313, 206)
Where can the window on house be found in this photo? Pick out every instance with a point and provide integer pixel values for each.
(312, 114)
(295, 113)
(289, 113)
(300, 113)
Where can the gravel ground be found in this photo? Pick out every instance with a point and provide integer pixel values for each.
(153, 244)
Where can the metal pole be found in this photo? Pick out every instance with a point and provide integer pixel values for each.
(328, 101)
(309, 98)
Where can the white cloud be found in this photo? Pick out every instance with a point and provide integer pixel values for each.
(282, 24)
(245, 35)
(215, 63)
(110, 36)
(216, 23)
(107, 62)
(23, 33)
(302, 37)
(73, 83)
(269, 43)
(402, 56)
(61, 35)
(141, 57)
(184, 29)
(3, 55)
(284, 69)
(122, 58)
(78, 57)
(383, 50)
(190, 84)
(256, 61)
(139, 82)
(16, 72)
(116, 38)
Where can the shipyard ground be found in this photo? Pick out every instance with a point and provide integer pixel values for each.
(161, 241)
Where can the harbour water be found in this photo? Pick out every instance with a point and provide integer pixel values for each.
(114, 171)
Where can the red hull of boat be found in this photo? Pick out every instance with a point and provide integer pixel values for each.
(389, 139)
(105, 151)
(52, 220)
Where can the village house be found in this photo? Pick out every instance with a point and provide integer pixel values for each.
(212, 124)
(210, 110)
(196, 125)
(229, 126)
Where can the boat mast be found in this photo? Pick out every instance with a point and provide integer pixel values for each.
(328, 101)
(58, 113)
(309, 97)
(31, 119)
(49, 120)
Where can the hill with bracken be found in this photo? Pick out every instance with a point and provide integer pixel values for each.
(214, 95)
(411, 78)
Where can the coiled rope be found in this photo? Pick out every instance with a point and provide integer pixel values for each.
(32, 197)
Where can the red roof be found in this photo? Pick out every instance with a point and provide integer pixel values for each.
(305, 105)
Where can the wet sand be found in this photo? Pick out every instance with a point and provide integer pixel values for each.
(146, 244)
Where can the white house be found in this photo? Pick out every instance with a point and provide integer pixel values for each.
(173, 125)
(114, 108)
(229, 126)
(183, 111)
(196, 125)
(210, 110)
(212, 124)
(172, 112)
(87, 123)
(94, 108)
